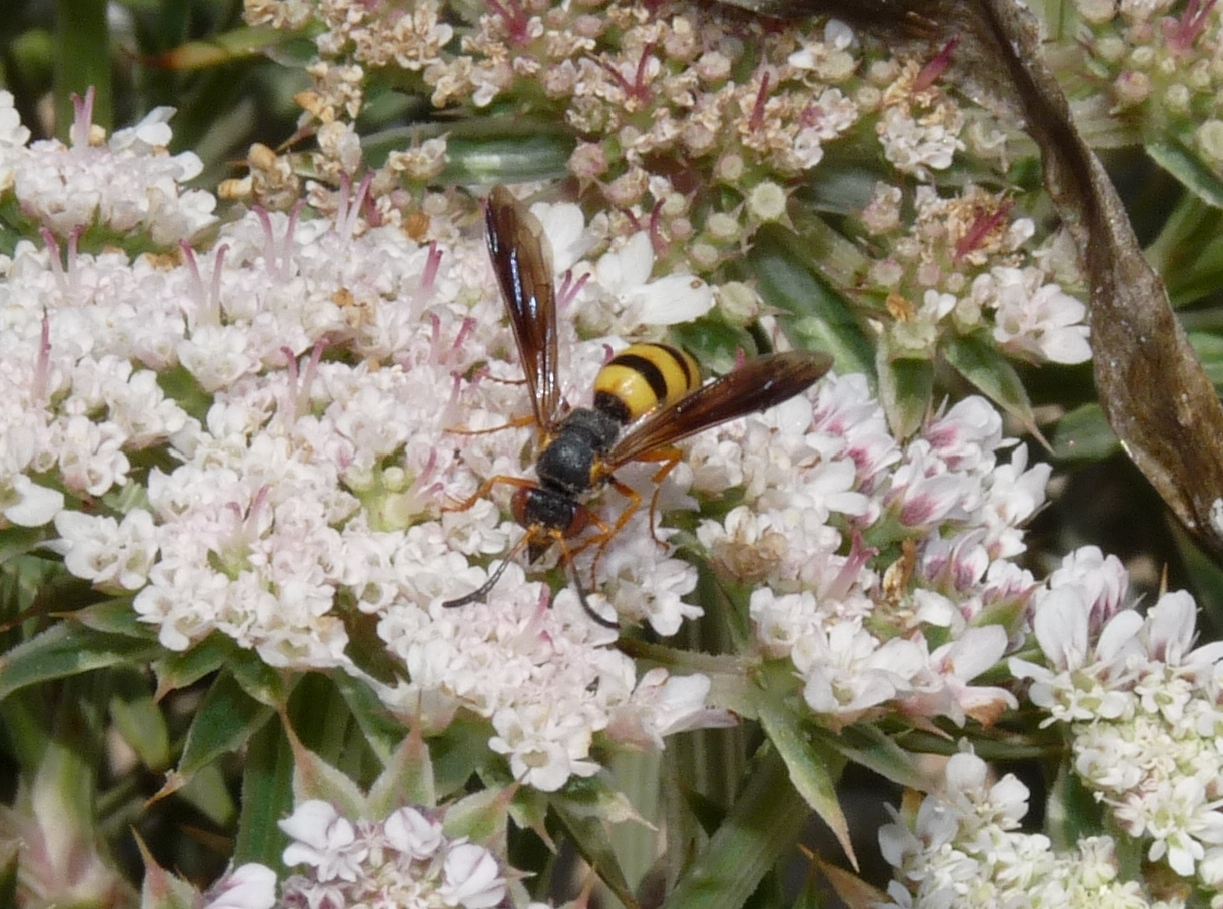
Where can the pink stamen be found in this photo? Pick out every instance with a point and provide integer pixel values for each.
(294, 377)
(341, 206)
(55, 260)
(517, 22)
(214, 296)
(859, 555)
(756, 121)
(82, 121)
(269, 242)
(286, 245)
(656, 238)
(1182, 34)
(570, 289)
(740, 358)
(432, 266)
(932, 71)
(465, 330)
(639, 88)
(42, 365)
(311, 373)
(982, 226)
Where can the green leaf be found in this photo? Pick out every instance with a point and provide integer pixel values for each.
(813, 766)
(764, 824)
(407, 779)
(714, 343)
(906, 388)
(224, 722)
(870, 747)
(822, 320)
(458, 753)
(114, 617)
(221, 49)
(178, 670)
(267, 798)
(19, 541)
(1084, 435)
(161, 889)
(208, 792)
(1072, 811)
(1208, 346)
(481, 817)
(68, 649)
(590, 838)
(977, 360)
(141, 724)
(382, 732)
(1180, 161)
(259, 680)
(314, 778)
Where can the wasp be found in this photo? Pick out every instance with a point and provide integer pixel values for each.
(646, 399)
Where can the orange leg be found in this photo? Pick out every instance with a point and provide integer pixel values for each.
(670, 456)
(486, 487)
(528, 420)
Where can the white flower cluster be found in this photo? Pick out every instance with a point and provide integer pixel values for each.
(129, 183)
(865, 551)
(1142, 708)
(963, 849)
(326, 366)
(405, 860)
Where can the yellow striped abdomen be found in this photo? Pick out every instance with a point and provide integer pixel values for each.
(644, 377)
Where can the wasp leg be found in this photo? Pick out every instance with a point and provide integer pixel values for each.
(567, 554)
(480, 592)
(486, 487)
(670, 456)
(515, 423)
(610, 533)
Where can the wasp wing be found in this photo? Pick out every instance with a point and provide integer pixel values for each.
(522, 261)
(756, 385)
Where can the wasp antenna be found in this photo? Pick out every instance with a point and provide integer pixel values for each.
(576, 575)
(482, 591)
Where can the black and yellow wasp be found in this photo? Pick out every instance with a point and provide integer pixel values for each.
(646, 399)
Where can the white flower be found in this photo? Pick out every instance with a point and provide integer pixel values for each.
(1034, 319)
(99, 549)
(472, 878)
(249, 886)
(26, 504)
(625, 274)
(325, 840)
(413, 834)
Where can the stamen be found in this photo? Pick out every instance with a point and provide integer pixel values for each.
(932, 71)
(82, 121)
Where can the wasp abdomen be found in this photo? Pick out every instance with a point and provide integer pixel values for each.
(642, 378)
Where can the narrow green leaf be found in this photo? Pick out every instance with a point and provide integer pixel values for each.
(19, 541)
(482, 816)
(141, 724)
(382, 732)
(314, 778)
(67, 649)
(407, 779)
(982, 364)
(1072, 811)
(822, 320)
(1208, 345)
(1084, 435)
(259, 680)
(114, 617)
(873, 749)
(82, 60)
(590, 838)
(224, 722)
(267, 798)
(763, 825)
(458, 753)
(178, 670)
(813, 766)
(906, 388)
(208, 792)
(1185, 165)
(161, 889)
(222, 49)
(715, 344)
